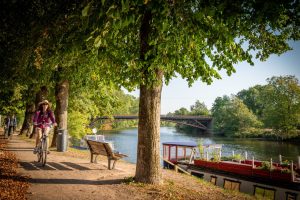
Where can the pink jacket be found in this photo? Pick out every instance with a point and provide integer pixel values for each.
(43, 120)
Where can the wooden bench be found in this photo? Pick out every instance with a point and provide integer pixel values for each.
(104, 149)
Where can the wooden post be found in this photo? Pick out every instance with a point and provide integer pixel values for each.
(206, 156)
(246, 155)
(299, 162)
(176, 149)
(192, 155)
(280, 159)
(220, 155)
(292, 171)
(232, 153)
(169, 152)
(253, 162)
(271, 164)
(175, 168)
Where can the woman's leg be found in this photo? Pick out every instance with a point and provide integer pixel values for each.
(38, 135)
(47, 130)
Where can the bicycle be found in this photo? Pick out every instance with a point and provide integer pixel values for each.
(42, 149)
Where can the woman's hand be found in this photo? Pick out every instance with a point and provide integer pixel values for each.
(54, 124)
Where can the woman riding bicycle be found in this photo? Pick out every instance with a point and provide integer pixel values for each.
(43, 120)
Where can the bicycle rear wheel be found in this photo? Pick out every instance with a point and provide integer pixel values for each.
(44, 151)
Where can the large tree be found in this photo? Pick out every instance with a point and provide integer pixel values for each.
(145, 43)
(282, 105)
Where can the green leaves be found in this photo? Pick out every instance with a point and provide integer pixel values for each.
(85, 12)
(282, 105)
(233, 118)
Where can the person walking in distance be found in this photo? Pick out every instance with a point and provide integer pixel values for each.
(6, 126)
(12, 125)
(43, 120)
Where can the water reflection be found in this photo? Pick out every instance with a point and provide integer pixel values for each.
(125, 141)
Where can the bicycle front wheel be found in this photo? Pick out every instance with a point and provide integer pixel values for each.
(44, 151)
(39, 154)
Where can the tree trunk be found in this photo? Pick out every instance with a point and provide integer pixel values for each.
(29, 112)
(61, 110)
(148, 169)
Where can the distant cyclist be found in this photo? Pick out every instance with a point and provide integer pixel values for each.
(43, 120)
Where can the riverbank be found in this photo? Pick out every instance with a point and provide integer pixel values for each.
(69, 175)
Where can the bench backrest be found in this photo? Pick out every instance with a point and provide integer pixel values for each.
(102, 148)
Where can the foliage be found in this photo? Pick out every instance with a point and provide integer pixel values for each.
(232, 117)
(199, 109)
(200, 31)
(181, 111)
(285, 163)
(86, 105)
(201, 148)
(265, 165)
(253, 99)
(12, 184)
(77, 124)
(282, 105)
(235, 157)
(285, 171)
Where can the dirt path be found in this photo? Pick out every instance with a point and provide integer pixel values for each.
(67, 176)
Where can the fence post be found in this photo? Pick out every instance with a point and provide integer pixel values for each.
(271, 164)
(280, 159)
(253, 162)
(246, 155)
(292, 171)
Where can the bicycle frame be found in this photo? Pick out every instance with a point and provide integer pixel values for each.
(42, 149)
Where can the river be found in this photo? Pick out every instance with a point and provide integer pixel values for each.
(125, 141)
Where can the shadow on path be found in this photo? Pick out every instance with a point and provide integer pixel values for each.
(63, 166)
(77, 181)
(75, 166)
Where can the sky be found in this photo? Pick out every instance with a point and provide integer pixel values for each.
(177, 94)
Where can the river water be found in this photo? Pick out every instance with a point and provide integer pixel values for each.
(125, 141)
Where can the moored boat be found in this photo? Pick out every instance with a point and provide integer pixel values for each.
(260, 178)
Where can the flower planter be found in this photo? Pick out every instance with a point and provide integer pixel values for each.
(200, 163)
(261, 173)
(278, 175)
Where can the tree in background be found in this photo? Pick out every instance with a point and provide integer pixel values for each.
(232, 118)
(181, 111)
(199, 108)
(219, 113)
(253, 99)
(282, 105)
